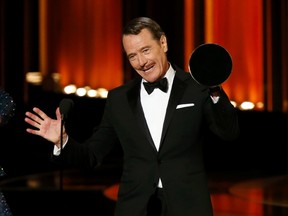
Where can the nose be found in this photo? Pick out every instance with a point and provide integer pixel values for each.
(142, 60)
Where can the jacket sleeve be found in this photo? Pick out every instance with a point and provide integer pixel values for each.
(90, 153)
(222, 117)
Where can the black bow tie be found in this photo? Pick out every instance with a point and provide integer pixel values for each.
(161, 84)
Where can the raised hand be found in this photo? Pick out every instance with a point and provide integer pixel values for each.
(45, 126)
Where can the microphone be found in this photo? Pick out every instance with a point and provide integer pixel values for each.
(65, 106)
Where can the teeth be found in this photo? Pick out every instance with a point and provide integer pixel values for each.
(147, 70)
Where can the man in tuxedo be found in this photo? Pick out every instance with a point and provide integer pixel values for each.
(160, 127)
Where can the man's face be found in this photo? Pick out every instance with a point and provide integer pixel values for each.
(147, 55)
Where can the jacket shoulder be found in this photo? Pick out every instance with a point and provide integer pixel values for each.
(124, 88)
(187, 78)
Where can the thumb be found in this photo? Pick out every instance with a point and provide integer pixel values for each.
(58, 114)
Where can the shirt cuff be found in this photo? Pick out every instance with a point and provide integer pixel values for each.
(215, 99)
(56, 150)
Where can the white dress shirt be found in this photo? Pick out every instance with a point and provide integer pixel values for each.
(154, 107)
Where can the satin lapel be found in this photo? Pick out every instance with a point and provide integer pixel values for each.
(177, 91)
(135, 104)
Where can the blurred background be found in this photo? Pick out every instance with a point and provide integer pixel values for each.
(55, 49)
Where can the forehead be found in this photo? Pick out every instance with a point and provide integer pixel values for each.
(132, 43)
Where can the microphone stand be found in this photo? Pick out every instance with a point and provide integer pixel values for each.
(61, 148)
(64, 106)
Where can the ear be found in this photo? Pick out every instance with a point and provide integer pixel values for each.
(163, 43)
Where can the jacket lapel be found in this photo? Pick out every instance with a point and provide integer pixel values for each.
(135, 105)
(177, 91)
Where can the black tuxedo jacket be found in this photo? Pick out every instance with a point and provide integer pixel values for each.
(179, 161)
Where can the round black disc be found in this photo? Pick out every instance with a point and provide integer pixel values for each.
(210, 64)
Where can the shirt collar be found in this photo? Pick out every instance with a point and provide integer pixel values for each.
(169, 75)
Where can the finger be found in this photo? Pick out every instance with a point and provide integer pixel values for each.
(32, 123)
(40, 113)
(33, 117)
(32, 131)
(58, 114)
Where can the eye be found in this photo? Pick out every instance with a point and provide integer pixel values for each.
(146, 51)
(132, 57)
